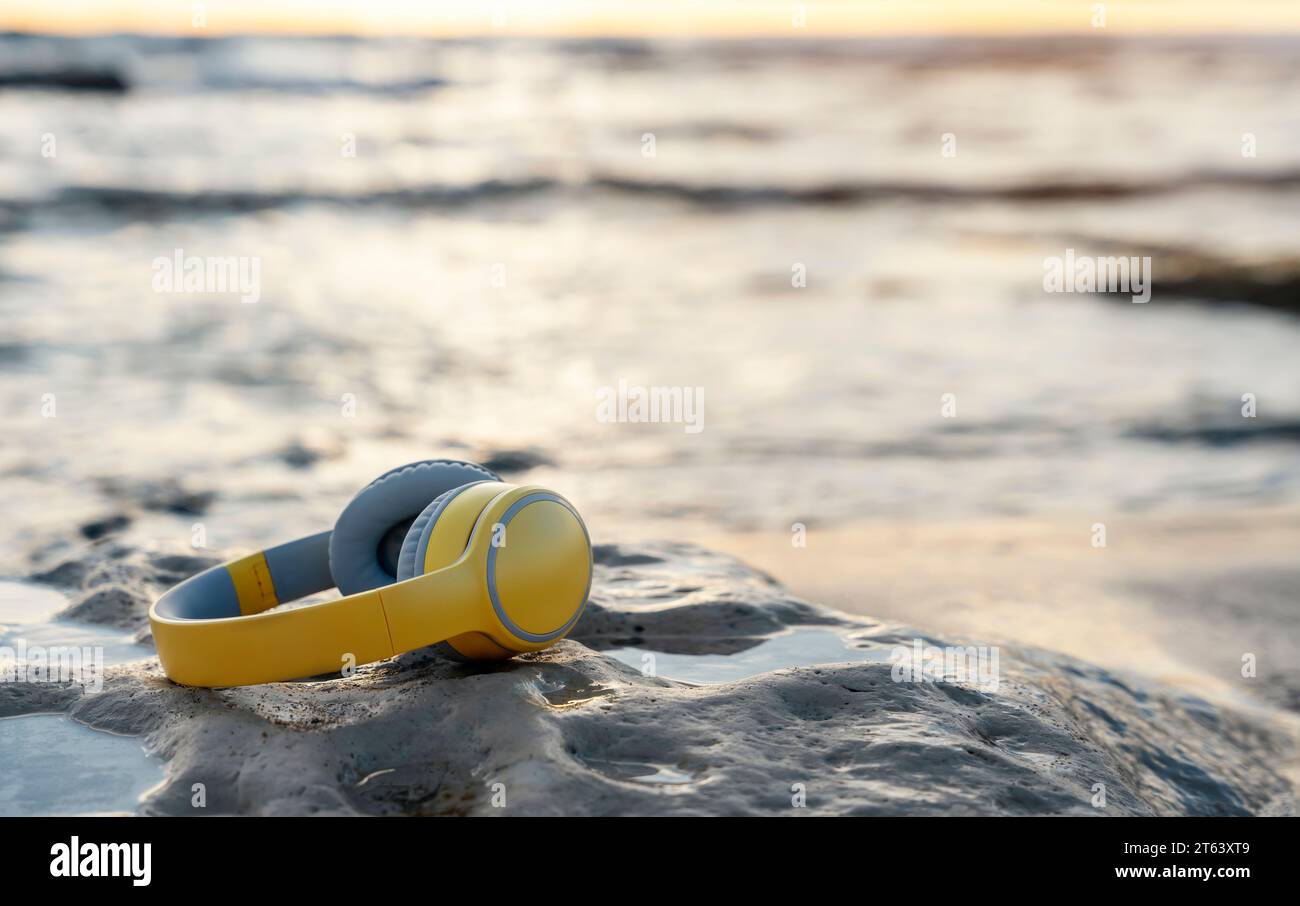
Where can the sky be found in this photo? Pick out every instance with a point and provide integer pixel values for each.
(645, 17)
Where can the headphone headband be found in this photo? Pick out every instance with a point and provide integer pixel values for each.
(254, 583)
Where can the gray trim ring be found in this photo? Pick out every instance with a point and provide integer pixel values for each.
(492, 570)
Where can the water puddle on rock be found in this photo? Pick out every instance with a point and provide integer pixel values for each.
(55, 766)
(667, 777)
(560, 694)
(797, 648)
(27, 602)
(28, 620)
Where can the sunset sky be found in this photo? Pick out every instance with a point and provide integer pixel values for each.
(643, 17)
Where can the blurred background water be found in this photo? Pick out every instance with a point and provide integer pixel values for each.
(501, 247)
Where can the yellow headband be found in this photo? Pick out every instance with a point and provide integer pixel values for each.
(507, 569)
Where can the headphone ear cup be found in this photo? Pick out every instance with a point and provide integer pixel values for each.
(441, 531)
(411, 544)
(436, 538)
(365, 546)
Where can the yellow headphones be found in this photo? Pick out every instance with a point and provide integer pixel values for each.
(488, 569)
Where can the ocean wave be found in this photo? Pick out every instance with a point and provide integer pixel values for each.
(395, 88)
(1222, 433)
(1188, 273)
(159, 204)
(1039, 190)
(115, 82)
(163, 203)
(98, 80)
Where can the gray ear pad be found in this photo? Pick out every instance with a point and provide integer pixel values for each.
(410, 563)
(364, 548)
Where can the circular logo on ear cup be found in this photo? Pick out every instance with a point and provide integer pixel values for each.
(539, 567)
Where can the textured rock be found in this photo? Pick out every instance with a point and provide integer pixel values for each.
(163, 496)
(574, 731)
(111, 605)
(98, 528)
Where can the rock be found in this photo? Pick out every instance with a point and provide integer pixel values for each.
(165, 496)
(688, 601)
(305, 451)
(36, 698)
(111, 605)
(575, 731)
(119, 582)
(169, 569)
(506, 461)
(67, 573)
(104, 563)
(98, 528)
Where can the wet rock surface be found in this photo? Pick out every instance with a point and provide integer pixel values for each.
(576, 731)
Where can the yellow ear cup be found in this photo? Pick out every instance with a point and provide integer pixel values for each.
(539, 568)
(521, 580)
